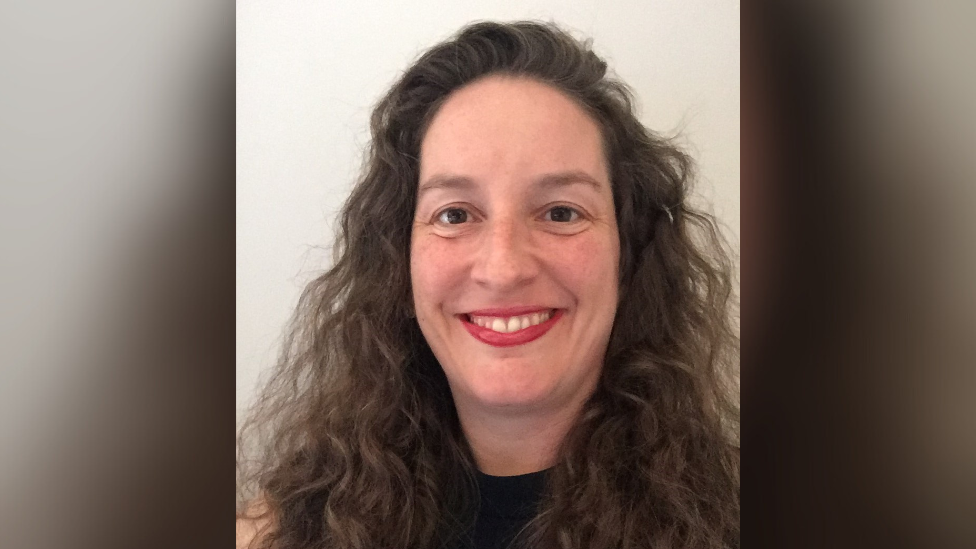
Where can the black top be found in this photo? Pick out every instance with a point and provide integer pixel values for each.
(507, 505)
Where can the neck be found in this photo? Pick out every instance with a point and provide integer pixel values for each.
(507, 444)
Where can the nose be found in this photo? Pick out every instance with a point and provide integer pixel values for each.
(505, 260)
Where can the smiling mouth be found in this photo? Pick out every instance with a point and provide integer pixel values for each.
(508, 331)
(507, 325)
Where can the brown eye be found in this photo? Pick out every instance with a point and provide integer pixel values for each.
(562, 214)
(453, 216)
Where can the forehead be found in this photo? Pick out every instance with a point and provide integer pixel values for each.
(508, 126)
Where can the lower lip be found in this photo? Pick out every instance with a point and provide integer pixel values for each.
(521, 337)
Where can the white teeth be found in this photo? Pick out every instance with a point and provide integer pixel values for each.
(511, 324)
(514, 324)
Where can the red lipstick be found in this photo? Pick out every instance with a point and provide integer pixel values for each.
(519, 337)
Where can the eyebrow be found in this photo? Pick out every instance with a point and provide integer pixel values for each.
(445, 182)
(559, 179)
(563, 179)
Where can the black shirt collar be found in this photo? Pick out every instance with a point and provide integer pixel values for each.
(511, 497)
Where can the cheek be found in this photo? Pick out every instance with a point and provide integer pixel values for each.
(588, 265)
(431, 275)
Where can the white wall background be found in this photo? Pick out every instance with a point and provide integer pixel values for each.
(308, 74)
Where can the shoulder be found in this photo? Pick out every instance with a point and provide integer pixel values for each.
(253, 524)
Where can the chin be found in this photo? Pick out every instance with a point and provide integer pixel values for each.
(508, 394)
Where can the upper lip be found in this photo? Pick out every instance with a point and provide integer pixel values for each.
(510, 311)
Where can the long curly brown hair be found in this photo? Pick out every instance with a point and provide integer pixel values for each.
(355, 441)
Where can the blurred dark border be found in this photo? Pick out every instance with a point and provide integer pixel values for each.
(117, 168)
(857, 363)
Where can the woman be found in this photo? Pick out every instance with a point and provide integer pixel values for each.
(524, 335)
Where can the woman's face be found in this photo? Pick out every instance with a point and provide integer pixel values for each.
(514, 251)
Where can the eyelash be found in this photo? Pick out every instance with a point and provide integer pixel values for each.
(440, 214)
(573, 212)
